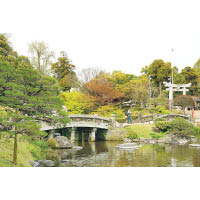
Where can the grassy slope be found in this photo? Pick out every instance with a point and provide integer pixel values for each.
(142, 130)
(24, 153)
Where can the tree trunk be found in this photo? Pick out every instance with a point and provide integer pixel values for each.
(160, 87)
(15, 150)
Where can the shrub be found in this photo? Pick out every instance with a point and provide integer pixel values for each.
(162, 125)
(182, 127)
(51, 142)
(131, 134)
(53, 155)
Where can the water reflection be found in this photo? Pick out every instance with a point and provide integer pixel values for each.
(104, 154)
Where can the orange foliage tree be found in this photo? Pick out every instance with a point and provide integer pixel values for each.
(102, 91)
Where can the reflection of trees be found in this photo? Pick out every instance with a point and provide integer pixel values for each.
(105, 154)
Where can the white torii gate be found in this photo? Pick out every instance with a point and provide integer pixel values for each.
(175, 87)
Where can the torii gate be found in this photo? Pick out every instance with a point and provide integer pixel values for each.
(175, 87)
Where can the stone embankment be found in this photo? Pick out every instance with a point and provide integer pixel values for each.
(61, 143)
(168, 139)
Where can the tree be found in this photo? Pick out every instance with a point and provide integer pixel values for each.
(77, 102)
(190, 75)
(27, 95)
(137, 91)
(41, 56)
(197, 64)
(184, 101)
(87, 74)
(102, 91)
(31, 96)
(63, 71)
(159, 70)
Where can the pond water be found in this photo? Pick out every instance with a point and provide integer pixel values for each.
(104, 154)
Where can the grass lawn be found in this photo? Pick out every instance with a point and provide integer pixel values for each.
(26, 152)
(142, 130)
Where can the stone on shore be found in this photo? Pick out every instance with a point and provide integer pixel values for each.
(194, 145)
(128, 146)
(63, 142)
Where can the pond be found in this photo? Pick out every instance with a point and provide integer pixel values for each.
(104, 154)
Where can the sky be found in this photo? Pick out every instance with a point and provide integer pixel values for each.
(110, 34)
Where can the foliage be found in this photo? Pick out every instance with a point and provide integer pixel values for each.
(51, 142)
(159, 70)
(159, 110)
(159, 101)
(102, 91)
(184, 101)
(160, 119)
(132, 135)
(52, 155)
(137, 91)
(162, 125)
(181, 127)
(63, 70)
(77, 102)
(40, 56)
(27, 95)
(107, 110)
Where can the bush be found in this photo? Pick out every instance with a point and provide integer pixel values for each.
(53, 155)
(160, 119)
(159, 110)
(182, 127)
(132, 136)
(162, 125)
(131, 133)
(51, 142)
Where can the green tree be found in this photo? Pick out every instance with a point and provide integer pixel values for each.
(41, 56)
(190, 75)
(159, 70)
(77, 102)
(137, 91)
(26, 95)
(63, 71)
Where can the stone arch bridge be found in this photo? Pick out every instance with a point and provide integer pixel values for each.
(80, 121)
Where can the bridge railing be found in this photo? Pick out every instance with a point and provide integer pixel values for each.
(89, 118)
(151, 118)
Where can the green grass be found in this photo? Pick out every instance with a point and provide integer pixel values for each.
(142, 130)
(26, 152)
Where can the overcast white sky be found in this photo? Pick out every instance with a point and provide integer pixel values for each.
(112, 34)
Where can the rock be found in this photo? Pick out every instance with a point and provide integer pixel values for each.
(63, 142)
(182, 141)
(77, 147)
(142, 139)
(34, 163)
(48, 163)
(193, 139)
(41, 161)
(57, 134)
(128, 146)
(162, 140)
(127, 140)
(151, 141)
(154, 129)
(194, 145)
